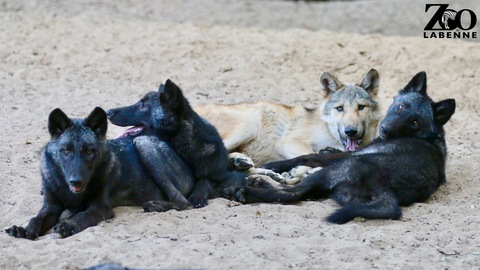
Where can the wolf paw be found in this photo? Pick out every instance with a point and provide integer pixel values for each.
(291, 180)
(240, 161)
(269, 173)
(162, 206)
(329, 150)
(296, 175)
(198, 202)
(261, 181)
(181, 205)
(235, 194)
(155, 206)
(65, 229)
(17, 232)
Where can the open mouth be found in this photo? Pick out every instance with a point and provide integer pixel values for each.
(351, 144)
(76, 189)
(133, 131)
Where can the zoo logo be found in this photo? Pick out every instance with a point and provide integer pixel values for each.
(448, 15)
(449, 20)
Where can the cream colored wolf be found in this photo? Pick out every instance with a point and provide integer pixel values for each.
(266, 131)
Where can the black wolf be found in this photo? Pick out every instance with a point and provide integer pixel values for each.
(168, 115)
(406, 164)
(87, 175)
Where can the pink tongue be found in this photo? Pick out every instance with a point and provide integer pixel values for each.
(77, 189)
(131, 131)
(352, 145)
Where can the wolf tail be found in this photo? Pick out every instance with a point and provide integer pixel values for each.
(384, 206)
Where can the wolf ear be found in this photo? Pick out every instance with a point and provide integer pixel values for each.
(161, 88)
(443, 110)
(370, 81)
(173, 96)
(58, 122)
(97, 121)
(417, 84)
(329, 83)
(169, 92)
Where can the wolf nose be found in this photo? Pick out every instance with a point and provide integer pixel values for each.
(109, 113)
(75, 180)
(383, 129)
(350, 131)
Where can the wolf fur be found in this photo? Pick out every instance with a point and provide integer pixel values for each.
(267, 131)
(87, 175)
(168, 115)
(406, 164)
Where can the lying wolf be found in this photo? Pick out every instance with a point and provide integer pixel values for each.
(267, 131)
(87, 175)
(406, 164)
(168, 115)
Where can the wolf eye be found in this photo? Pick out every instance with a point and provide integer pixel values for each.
(361, 107)
(339, 108)
(401, 107)
(66, 151)
(415, 122)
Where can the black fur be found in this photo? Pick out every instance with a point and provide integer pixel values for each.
(86, 175)
(405, 165)
(168, 115)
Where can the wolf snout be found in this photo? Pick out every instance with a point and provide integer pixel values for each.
(383, 129)
(351, 131)
(75, 180)
(76, 184)
(110, 113)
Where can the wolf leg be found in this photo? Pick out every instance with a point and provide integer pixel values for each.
(251, 194)
(311, 160)
(293, 147)
(265, 191)
(241, 133)
(385, 206)
(200, 193)
(165, 168)
(98, 211)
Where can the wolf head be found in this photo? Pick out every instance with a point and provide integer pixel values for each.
(414, 114)
(156, 113)
(351, 109)
(77, 145)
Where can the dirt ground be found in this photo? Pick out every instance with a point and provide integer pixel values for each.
(76, 55)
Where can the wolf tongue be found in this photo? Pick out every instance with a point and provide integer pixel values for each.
(131, 131)
(77, 189)
(352, 144)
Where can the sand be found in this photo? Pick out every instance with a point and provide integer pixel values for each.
(98, 53)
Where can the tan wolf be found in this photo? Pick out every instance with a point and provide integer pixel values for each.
(267, 131)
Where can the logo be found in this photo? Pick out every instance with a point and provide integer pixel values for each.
(448, 23)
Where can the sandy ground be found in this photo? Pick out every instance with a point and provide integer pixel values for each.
(97, 53)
